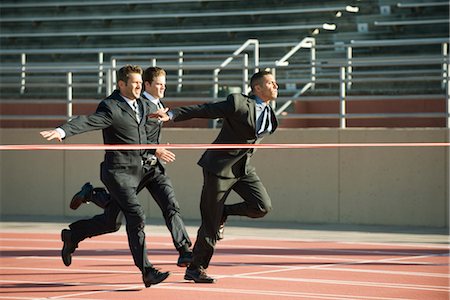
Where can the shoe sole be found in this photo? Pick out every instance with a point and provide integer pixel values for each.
(183, 264)
(164, 277)
(188, 277)
(76, 202)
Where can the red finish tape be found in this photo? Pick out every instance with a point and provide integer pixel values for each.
(211, 146)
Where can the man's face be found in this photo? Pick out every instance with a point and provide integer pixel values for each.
(157, 87)
(133, 87)
(267, 89)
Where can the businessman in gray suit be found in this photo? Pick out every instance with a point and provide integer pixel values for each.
(246, 120)
(122, 117)
(155, 180)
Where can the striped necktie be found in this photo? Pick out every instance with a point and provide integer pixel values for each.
(137, 112)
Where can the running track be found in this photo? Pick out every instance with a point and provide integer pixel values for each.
(247, 267)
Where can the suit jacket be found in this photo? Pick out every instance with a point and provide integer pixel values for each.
(119, 126)
(239, 127)
(153, 125)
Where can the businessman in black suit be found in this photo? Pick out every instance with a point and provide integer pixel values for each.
(122, 118)
(246, 120)
(155, 180)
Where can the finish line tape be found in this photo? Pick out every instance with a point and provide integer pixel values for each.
(212, 146)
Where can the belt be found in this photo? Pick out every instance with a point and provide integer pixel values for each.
(150, 161)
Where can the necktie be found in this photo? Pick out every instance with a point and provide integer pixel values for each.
(265, 122)
(159, 105)
(137, 112)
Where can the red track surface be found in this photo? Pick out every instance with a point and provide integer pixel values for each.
(246, 268)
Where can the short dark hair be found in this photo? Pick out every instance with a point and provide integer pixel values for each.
(151, 73)
(256, 78)
(125, 71)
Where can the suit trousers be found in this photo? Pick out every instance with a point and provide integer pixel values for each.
(256, 203)
(160, 187)
(124, 201)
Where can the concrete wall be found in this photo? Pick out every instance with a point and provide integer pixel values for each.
(373, 186)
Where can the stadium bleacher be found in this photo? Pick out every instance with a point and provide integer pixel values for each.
(41, 43)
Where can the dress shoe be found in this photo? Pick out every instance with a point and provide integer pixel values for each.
(198, 276)
(220, 233)
(184, 259)
(154, 276)
(82, 196)
(68, 247)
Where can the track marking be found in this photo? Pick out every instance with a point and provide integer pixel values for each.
(199, 288)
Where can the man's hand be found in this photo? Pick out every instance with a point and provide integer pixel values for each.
(165, 155)
(160, 114)
(51, 134)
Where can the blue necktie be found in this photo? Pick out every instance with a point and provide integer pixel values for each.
(265, 123)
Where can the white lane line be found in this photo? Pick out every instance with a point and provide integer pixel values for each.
(72, 270)
(71, 296)
(353, 282)
(395, 260)
(287, 268)
(198, 288)
(413, 255)
(402, 273)
(281, 266)
(412, 244)
(261, 278)
(291, 268)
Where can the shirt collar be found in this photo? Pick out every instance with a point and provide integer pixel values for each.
(151, 98)
(259, 102)
(129, 101)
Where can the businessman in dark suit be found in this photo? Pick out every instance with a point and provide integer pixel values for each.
(155, 180)
(122, 118)
(246, 120)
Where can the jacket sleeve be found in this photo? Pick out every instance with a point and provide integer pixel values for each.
(102, 118)
(213, 110)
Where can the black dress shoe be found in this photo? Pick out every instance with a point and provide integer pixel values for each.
(68, 247)
(184, 259)
(198, 276)
(220, 233)
(154, 276)
(82, 196)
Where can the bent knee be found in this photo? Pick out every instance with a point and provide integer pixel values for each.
(261, 212)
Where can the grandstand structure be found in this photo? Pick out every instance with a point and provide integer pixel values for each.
(339, 63)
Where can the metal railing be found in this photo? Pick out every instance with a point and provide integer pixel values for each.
(346, 77)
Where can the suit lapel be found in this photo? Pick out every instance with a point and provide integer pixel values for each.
(252, 111)
(126, 107)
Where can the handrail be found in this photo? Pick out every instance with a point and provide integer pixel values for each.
(395, 42)
(307, 42)
(422, 4)
(238, 51)
(410, 22)
(206, 48)
(98, 3)
(202, 30)
(183, 15)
